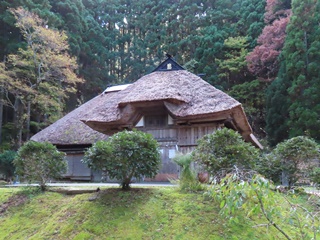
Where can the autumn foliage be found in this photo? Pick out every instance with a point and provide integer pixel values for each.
(263, 61)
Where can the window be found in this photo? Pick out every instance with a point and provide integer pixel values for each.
(155, 121)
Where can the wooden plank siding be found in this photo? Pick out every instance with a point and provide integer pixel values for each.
(184, 135)
(177, 138)
(189, 135)
(163, 134)
(76, 169)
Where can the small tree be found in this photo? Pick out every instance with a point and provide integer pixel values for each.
(6, 164)
(295, 155)
(223, 150)
(126, 155)
(188, 179)
(40, 161)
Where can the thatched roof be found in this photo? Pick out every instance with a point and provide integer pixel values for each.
(183, 93)
(186, 96)
(69, 130)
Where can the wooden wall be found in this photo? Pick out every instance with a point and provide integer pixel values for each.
(189, 135)
(174, 139)
(182, 134)
(76, 169)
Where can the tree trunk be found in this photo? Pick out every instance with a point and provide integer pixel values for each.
(126, 183)
(306, 46)
(125, 186)
(17, 119)
(28, 120)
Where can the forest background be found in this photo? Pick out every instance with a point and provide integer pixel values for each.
(58, 54)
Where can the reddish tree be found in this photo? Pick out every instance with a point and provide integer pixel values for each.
(263, 60)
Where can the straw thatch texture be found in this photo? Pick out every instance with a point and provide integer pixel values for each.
(105, 109)
(69, 130)
(197, 96)
(184, 93)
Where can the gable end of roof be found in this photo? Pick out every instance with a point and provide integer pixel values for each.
(169, 65)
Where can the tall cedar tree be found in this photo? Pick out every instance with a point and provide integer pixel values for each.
(302, 58)
(87, 43)
(250, 23)
(232, 67)
(277, 104)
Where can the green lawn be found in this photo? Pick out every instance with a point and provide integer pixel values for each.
(142, 213)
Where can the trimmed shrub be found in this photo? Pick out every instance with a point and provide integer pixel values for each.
(296, 156)
(223, 150)
(126, 155)
(40, 162)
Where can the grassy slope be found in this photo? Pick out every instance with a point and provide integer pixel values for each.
(154, 213)
(5, 193)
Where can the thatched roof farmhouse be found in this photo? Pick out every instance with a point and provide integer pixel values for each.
(174, 105)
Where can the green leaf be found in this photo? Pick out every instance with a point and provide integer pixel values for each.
(222, 203)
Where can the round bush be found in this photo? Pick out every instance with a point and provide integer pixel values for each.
(126, 155)
(224, 149)
(40, 162)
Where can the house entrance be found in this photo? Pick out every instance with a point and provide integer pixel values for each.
(169, 169)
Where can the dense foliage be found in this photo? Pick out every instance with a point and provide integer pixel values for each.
(224, 150)
(6, 164)
(257, 196)
(315, 176)
(297, 156)
(291, 161)
(126, 155)
(40, 162)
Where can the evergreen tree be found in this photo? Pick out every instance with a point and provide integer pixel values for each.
(302, 57)
(10, 37)
(252, 95)
(87, 42)
(233, 67)
(250, 19)
(222, 20)
(277, 105)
